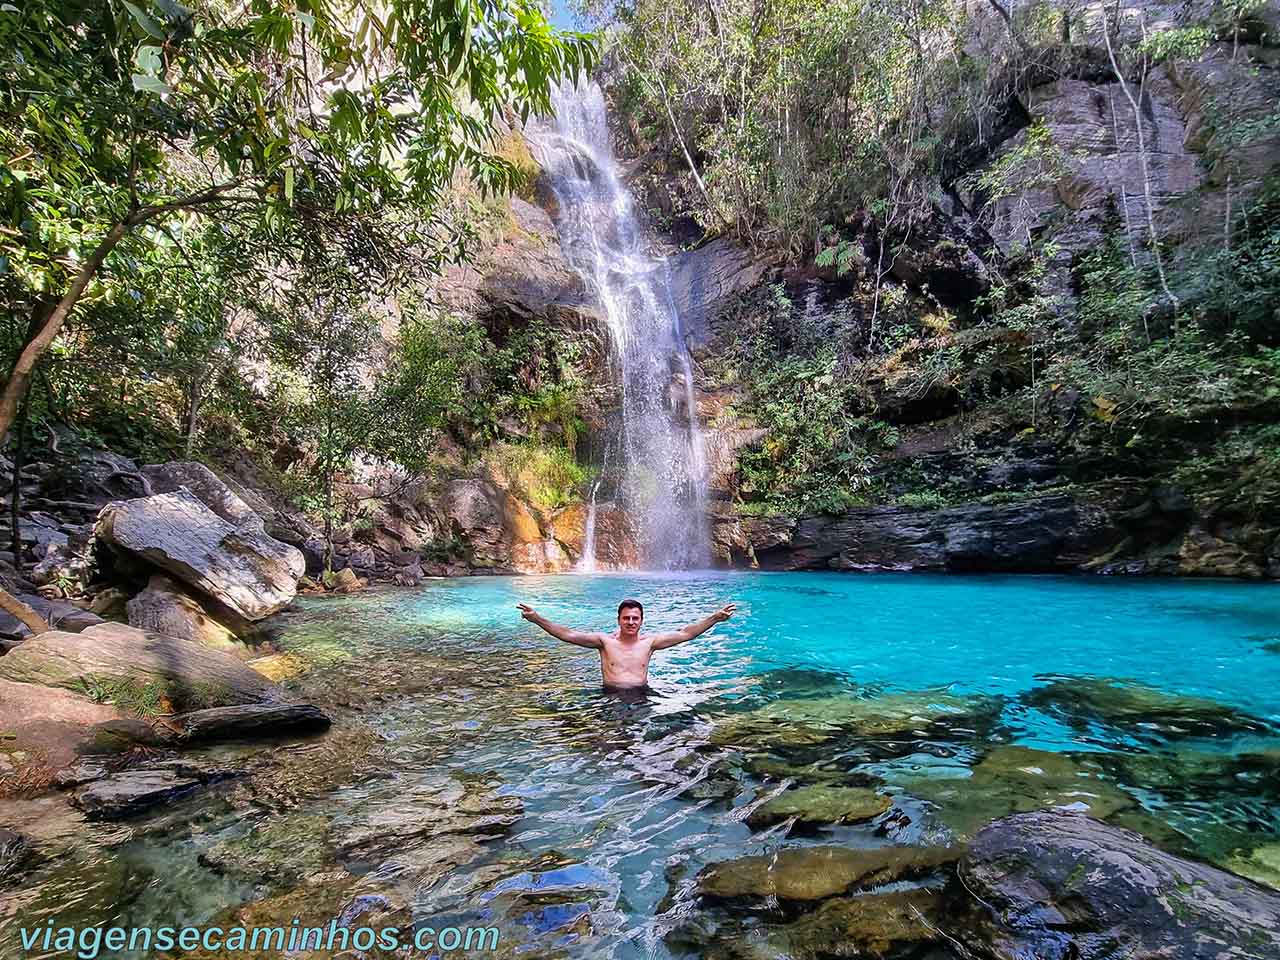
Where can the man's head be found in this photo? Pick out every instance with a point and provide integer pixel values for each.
(630, 616)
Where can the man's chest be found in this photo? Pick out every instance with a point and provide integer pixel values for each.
(618, 652)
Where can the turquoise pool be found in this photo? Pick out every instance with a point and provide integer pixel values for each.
(1154, 704)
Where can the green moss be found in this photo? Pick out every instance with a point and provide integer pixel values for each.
(153, 698)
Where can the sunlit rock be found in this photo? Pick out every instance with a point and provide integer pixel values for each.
(1261, 864)
(139, 671)
(253, 574)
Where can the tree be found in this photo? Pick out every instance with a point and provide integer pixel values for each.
(119, 119)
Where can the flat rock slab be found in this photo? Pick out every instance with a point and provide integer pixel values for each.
(134, 792)
(252, 720)
(252, 573)
(120, 662)
(1060, 886)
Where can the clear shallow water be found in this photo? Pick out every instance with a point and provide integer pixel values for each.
(613, 806)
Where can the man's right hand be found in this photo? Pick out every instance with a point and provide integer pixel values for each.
(527, 611)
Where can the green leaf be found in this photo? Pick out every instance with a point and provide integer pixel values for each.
(146, 21)
(288, 184)
(142, 82)
(148, 60)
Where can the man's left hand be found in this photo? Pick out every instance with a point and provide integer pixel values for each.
(724, 614)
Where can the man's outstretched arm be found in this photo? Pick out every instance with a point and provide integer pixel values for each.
(567, 634)
(664, 640)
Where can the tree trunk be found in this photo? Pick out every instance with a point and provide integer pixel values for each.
(20, 376)
(15, 607)
(15, 389)
(15, 504)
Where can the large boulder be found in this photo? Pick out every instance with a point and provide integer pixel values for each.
(1058, 886)
(207, 488)
(249, 572)
(165, 607)
(136, 669)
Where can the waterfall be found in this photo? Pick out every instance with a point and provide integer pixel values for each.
(588, 562)
(661, 479)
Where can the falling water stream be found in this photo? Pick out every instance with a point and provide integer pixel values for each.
(661, 477)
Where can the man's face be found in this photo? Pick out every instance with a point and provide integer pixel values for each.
(629, 621)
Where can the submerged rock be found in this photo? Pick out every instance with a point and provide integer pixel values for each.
(253, 574)
(283, 850)
(132, 792)
(1138, 710)
(815, 720)
(436, 807)
(1066, 887)
(1013, 779)
(816, 873)
(822, 804)
(867, 926)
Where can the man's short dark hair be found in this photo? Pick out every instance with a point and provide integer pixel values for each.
(631, 603)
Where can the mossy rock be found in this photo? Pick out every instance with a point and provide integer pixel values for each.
(1013, 779)
(145, 672)
(1261, 865)
(1140, 711)
(281, 851)
(816, 873)
(822, 803)
(869, 926)
(815, 720)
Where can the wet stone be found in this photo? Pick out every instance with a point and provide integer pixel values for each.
(1139, 711)
(282, 850)
(79, 773)
(818, 720)
(15, 855)
(867, 926)
(1014, 779)
(822, 804)
(436, 807)
(1056, 886)
(133, 792)
(815, 873)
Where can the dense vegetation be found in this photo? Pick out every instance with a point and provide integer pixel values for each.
(870, 142)
(212, 215)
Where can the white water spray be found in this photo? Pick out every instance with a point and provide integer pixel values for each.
(662, 476)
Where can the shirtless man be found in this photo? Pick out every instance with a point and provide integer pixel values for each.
(624, 656)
